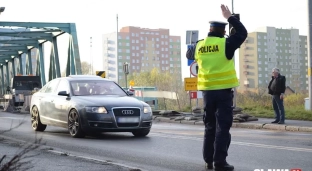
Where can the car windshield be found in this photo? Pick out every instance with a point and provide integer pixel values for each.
(96, 87)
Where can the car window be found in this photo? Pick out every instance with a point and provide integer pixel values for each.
(96, 87)
(63, 86)
(42, 90)
(52, 86)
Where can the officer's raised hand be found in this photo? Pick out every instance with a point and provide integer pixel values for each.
(225, 11)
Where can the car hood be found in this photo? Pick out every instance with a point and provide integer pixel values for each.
(108, 101)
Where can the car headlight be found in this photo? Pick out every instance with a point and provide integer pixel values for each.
(96, 109)
(147, 109)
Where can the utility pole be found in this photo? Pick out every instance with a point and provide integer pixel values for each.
(235, 91)
(91, 58)
(309, 51)
(117, 45)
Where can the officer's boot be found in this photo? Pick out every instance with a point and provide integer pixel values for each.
(209, 166)
(223, 167)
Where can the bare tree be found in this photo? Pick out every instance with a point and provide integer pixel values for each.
(85, 69)
(21, 160)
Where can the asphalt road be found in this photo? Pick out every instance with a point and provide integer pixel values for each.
(175, 146)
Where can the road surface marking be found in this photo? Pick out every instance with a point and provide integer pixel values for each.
(94, 159)
(237, 143)
(16, 118)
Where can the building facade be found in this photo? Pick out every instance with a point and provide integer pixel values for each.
(144, 49)
(272, 47)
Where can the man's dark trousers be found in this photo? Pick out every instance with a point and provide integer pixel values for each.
(217, 136)
(278, 106)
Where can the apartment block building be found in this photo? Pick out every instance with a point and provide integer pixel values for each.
(144, 49)
(271, 47)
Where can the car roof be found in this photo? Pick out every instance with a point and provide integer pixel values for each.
(85, 77)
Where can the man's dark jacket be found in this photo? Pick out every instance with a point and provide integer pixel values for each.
(280, 86)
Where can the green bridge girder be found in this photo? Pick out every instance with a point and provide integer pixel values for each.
(18, 38)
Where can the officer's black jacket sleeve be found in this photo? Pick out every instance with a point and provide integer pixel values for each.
(237, 39)
(190, 53)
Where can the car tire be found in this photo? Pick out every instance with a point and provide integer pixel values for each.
(141, 133)
(74, 124)
(35, 120)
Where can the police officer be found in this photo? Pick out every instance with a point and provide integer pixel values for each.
(216, 79)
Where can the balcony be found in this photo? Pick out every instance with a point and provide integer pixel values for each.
(246, 60)
(111, 42)
(111, 62)
(245, 66)
(245, 72)
(109, 48)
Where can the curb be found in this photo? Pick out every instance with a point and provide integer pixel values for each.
(290, 128)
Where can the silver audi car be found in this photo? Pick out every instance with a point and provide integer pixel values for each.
(89, 104)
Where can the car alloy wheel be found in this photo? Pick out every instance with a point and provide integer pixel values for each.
(35, 120)
(74, 124)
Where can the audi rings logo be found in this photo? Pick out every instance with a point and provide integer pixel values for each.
(127, 112)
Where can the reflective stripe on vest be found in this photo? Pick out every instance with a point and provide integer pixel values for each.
(215, 71)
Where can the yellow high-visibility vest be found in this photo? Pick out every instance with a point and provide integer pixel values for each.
(215, 71)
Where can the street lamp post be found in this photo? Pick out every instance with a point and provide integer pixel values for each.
(2, 9)
(126, 71)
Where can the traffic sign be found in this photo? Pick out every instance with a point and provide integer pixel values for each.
(194, 69)
(131, 83)
(190, 84)
(191, 36)
(193, 94)
(189, 61)
(101, 74)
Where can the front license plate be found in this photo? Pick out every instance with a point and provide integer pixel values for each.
(128, 120)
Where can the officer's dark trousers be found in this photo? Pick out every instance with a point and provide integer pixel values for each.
(218, 120)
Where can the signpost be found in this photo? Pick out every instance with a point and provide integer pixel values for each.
(193, 94)
(126, 71)
(194, 69)
(190, 84)
(131, 83)
(101, 74)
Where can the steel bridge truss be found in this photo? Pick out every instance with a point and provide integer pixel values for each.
(19, 38)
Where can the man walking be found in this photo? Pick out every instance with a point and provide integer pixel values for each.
(277, 87)
(216, 79)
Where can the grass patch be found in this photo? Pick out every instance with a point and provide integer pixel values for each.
(261, 106)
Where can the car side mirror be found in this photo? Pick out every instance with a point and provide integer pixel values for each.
(130, 93)
(63, 93)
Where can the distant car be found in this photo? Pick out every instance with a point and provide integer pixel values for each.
(89, 104)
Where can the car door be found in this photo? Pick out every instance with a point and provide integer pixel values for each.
(62, 102)
(47, 107)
